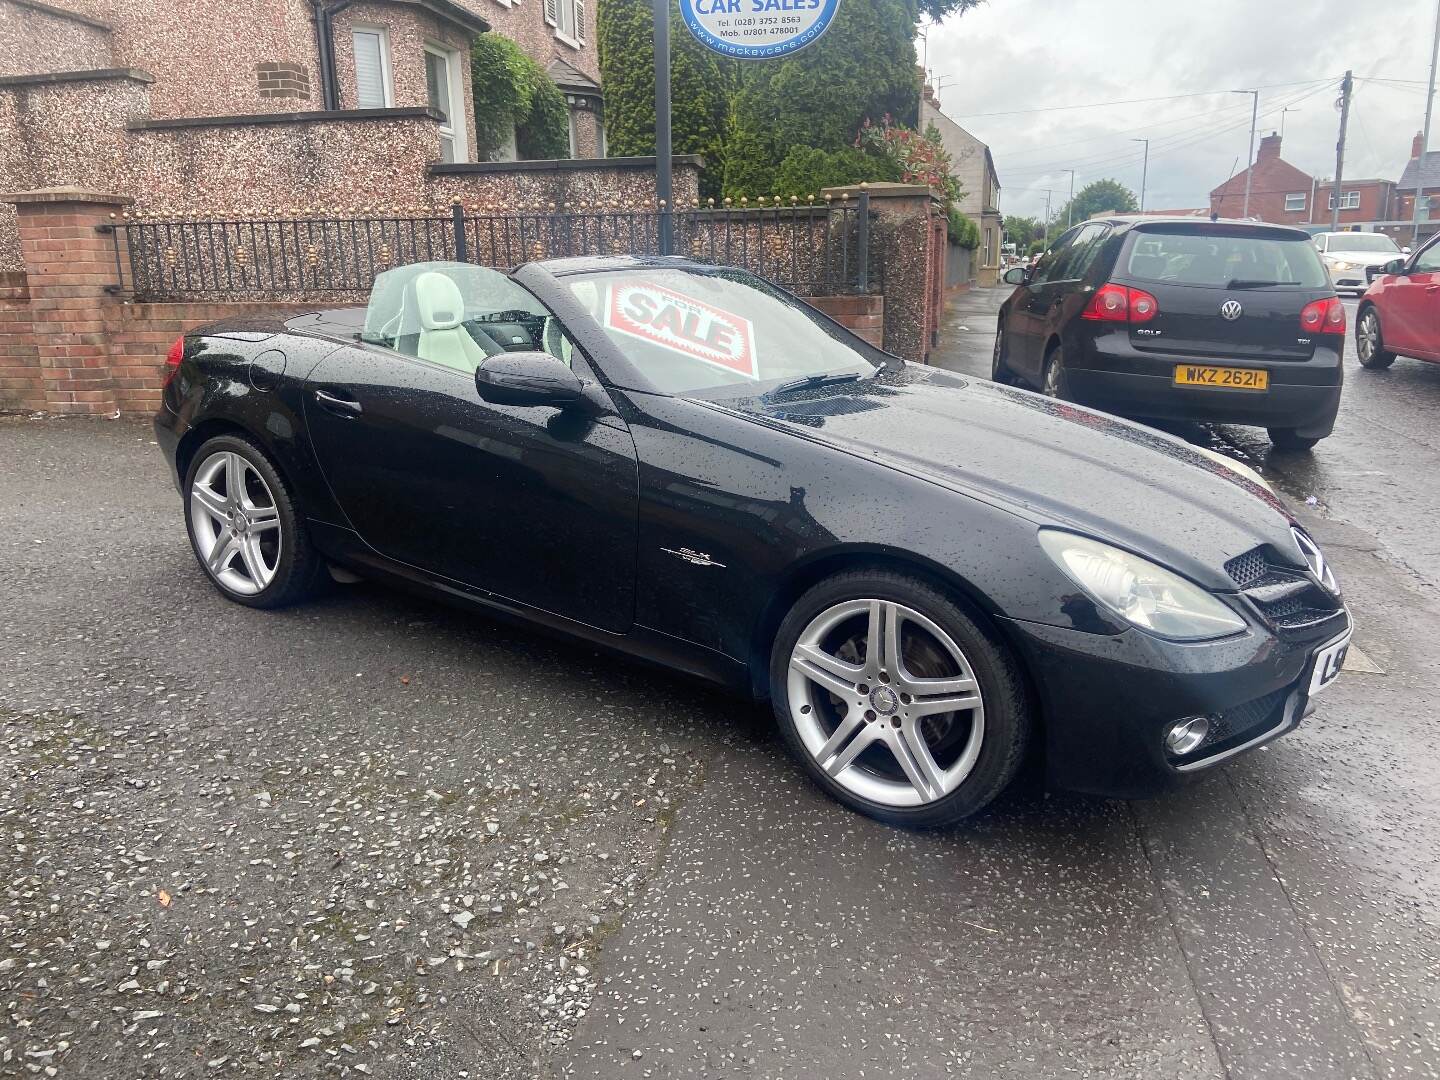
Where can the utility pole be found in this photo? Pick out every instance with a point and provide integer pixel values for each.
(1286, 109)
(1144, 172)
(1047, 218)
(663, 195)
(1250, 159)
(1346, 87)
(1425, 138)
(1070, 206)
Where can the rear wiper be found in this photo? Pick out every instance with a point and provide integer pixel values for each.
(1244, 283)
(807, 381)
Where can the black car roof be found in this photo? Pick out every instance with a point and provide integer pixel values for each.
(1130, 221)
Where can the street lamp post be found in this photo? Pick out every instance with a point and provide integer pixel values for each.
(1250, 161)
(1144, 171)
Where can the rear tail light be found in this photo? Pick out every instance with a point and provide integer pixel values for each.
(1120, 303)
(173, 358)
(1324, 317)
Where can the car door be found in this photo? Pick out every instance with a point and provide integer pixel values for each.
(1410, 314)
(1032, 308)
(533, 504)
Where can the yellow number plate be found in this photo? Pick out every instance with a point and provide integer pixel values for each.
(1230, 378)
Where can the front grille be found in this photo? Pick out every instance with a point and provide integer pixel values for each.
(1285, 597)
(1245, 570)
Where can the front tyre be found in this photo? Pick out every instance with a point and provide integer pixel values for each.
(1054, 382)
(1369, 344)
(999, 362)
(896, 701)
(244, 526)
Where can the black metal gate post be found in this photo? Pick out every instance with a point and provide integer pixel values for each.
(457, 221)
(862, 240)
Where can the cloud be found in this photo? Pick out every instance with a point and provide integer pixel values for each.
(1012, 55)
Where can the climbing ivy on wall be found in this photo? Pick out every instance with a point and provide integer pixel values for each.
(513, 94)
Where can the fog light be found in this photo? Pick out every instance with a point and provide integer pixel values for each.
(1185, 735)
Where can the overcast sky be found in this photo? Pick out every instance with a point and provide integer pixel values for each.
(1011, 55)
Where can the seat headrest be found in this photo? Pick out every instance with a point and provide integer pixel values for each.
(438, 300)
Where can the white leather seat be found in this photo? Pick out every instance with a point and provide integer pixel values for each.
(443, 340)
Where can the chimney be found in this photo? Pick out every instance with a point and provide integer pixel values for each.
(1269, 148)
(1418, 146)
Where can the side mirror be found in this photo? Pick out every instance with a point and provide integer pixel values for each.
(1016, 275)
(529, 378)
(1394, 266)
(1405, 250)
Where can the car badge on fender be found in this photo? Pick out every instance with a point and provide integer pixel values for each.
(1231, 310)
(698, 558)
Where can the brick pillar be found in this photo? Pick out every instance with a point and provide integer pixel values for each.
(907, 239)
(68, 264)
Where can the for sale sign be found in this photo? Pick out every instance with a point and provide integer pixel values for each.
(682, 324)
(757, 29)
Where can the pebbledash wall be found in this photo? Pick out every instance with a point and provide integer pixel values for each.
(71, 344)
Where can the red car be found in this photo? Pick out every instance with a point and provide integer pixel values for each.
(1400, 312)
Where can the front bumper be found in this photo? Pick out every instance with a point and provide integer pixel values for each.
(1107, 700)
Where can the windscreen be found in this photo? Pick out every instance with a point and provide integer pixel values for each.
(1223, 260)
(691, 331)
(1356, 241)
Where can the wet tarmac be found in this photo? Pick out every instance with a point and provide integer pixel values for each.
(317, 789)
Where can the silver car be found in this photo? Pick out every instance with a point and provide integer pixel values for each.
(1347, 255)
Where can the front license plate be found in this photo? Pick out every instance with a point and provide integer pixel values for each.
(1328, 662)
(1229, 378)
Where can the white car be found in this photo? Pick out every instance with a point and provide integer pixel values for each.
(1347, 255)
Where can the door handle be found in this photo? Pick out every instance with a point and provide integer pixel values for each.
(338, 406)
(1432, 288)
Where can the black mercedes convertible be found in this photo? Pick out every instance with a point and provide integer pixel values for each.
(930, 578)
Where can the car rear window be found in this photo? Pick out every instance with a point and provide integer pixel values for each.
(1222, 260)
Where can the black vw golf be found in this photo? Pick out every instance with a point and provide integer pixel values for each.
(1176, 319)
(929, 577)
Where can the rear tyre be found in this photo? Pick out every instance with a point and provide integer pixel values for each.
(896, 701)
(999, 367)
(1369, 344)
(245, 528)
(1287, 440)
(1053, 381)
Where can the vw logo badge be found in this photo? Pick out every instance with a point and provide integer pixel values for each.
(1231, 310)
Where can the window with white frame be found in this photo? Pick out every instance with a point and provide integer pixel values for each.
(1349, 200)
(568, 19)
(1295, 202)
(445, 91)
(373, 88)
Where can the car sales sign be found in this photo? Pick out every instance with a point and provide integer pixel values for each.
(684, 325)
(757, 29)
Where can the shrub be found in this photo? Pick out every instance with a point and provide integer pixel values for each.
(512, 93)
(962, 230)
(805, 170)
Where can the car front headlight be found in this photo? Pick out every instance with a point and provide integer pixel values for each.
(1341, 264)
(1139, 591)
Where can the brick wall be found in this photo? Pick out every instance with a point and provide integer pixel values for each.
(863, 314)
(22, 386)
(283, 80)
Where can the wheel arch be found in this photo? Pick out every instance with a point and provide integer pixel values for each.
(809, 572)
(206, 430)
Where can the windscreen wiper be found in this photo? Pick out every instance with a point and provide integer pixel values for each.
(807, 381)
(1246, 283)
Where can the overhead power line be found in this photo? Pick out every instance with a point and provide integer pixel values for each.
(1136, 101)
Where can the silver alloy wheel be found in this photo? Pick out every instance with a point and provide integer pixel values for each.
(1367, 335)
(235, 523)
(880, 729)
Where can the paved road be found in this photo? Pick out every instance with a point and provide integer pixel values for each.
(375, 834)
